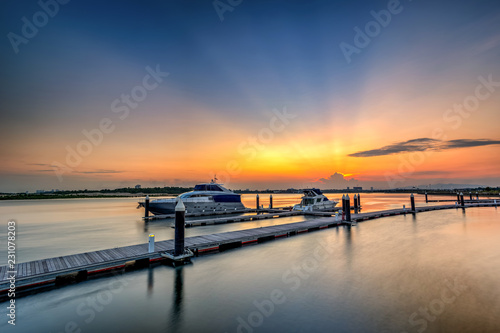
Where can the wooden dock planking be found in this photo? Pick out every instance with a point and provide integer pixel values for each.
(104, 255)
(50, 265)
(47, 269)
(58, 263)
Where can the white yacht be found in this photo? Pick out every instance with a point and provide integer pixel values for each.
(314, 199)
(205, 198)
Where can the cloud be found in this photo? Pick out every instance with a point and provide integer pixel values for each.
(99, 171)
(423, 144)
(38, 164)
(430, 173)
(337, 180)
(464, 143)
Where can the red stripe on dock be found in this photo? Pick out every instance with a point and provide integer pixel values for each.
(209, 249)
(284, 235)
(106, 269)
(250, 241)
(157, 259)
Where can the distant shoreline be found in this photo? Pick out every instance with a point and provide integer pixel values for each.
(81, 196)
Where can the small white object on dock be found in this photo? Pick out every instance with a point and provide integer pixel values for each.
(151, 243)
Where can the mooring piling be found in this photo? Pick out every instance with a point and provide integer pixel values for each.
(270, 201)
(412, 200)
(257, 201)
(462, 199)
(470, 194)
(458, 197)
(343, 206)
(355, 204)
(180, 217)
(146, 206)
(477, 196)
(426, 200)
(348, 208)
(359, 201)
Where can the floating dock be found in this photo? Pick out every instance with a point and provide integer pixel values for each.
(77, 267)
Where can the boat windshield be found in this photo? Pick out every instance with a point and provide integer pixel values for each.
(208, 187)
(307, 201)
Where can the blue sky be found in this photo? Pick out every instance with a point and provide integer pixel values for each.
(263, 55)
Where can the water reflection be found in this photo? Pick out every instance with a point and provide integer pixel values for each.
(348, 245)
(176, 315)
(150, 281)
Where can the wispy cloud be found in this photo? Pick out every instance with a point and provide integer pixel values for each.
(38, 164)
(422, 144)
(99, 171)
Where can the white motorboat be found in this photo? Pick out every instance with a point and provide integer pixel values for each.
(315, 200)
(205, 198)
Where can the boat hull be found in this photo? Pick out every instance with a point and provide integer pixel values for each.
(165, 208)
(327, 207)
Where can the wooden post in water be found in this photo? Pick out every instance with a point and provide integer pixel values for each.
(458, 197)
(180, 216)
(470, 195)
(355, 204)
(477, 196)
(412, 200)
(271, 201)
(359, 201)
(426, 200)
(348, 207)
(462, 199)
(343, 206)
(146, 206)
(257, 200)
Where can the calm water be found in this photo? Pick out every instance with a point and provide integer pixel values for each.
(436, 272)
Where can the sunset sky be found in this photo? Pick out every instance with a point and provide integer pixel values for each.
(265, 94)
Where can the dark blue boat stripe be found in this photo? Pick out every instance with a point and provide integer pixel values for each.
(227, 198)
